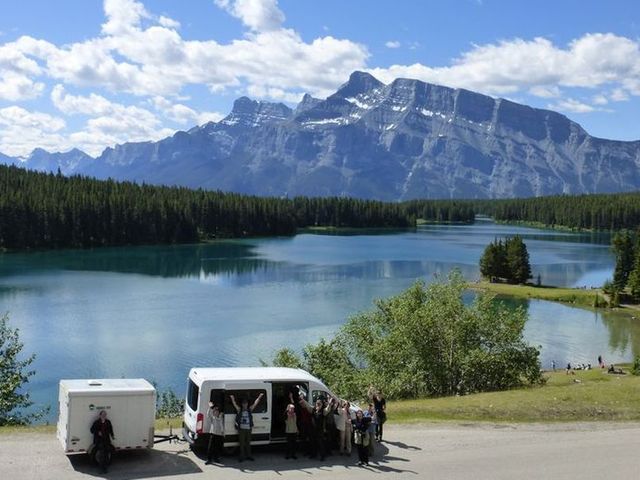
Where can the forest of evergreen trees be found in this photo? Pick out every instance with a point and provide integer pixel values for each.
(39, 210)
(441, 211)
(594, 212)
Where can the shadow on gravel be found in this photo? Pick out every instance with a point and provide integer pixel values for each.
(403, 446)
(271, 459)
(138, 464)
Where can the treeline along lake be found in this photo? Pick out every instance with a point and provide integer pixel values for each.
(40, 210)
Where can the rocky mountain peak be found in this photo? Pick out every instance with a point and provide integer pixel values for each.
(359, 82)
(252, 113)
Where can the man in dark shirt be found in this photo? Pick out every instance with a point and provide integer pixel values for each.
(102, 435)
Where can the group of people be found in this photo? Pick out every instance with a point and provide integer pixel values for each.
(327, 425)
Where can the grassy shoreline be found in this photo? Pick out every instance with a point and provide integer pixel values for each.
(587, 298)
(590, 395)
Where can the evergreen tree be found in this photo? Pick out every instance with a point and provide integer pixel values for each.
(518, 266)
(491, 262)
(487, 263)
(634, 277)
(622, 245)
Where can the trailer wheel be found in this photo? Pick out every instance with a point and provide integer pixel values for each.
(102, 456)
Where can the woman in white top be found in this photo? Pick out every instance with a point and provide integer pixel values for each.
(343, 424)
(216, 433)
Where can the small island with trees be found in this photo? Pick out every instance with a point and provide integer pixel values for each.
(506, 270)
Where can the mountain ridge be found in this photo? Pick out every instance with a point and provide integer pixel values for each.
(406, 139)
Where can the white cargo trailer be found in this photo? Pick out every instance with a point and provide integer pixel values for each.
(130, 405)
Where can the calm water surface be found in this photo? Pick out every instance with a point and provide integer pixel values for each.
(155, 312)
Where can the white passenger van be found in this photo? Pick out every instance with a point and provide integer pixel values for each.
(217, 384)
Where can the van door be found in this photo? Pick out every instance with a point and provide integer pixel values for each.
(261, 433)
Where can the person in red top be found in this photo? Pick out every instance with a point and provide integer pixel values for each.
(102, 435)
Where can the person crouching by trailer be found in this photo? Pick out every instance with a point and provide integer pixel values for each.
(318, 426)
(216, 433)
(291, 428)
(102, 435)
(244, 424)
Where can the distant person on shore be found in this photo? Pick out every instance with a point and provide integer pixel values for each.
(361, 438)
(216, 433)
(102, 431)
(568, 368)
(244, 424)
(600, 362)
(553, 365)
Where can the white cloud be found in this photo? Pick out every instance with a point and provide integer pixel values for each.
(153, 59)
(15, 87)
(122, 16)
(590, 61)
(572, 105)
(258, 15)
(168, 22)
(545, 91)
(23, 130)
(274, 93)
(619, 95)
(184, 115)
(600, 99)
(393, 44)
(20, 117)
(111, 122)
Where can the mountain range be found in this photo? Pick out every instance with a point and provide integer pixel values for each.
(402, 140)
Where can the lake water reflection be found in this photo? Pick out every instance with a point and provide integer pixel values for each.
(154, 312)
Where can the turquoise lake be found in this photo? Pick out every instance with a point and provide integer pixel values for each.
(156, 311)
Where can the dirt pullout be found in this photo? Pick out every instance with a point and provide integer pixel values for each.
(438, 451)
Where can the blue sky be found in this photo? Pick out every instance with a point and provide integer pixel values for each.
(91, 73)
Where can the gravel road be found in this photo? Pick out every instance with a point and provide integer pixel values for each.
(435, 451)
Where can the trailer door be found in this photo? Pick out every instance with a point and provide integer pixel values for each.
(261, 414)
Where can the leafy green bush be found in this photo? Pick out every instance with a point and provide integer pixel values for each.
(635, 369)
(426, 341)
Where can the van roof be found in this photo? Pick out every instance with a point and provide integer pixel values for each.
(104, 385)
(280, 374)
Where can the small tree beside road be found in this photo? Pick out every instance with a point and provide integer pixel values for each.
(14, 374)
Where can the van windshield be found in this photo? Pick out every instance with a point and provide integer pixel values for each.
(192, 395)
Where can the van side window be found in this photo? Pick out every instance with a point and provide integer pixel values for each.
(217, 397)
(193, 391)
(251, 395)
